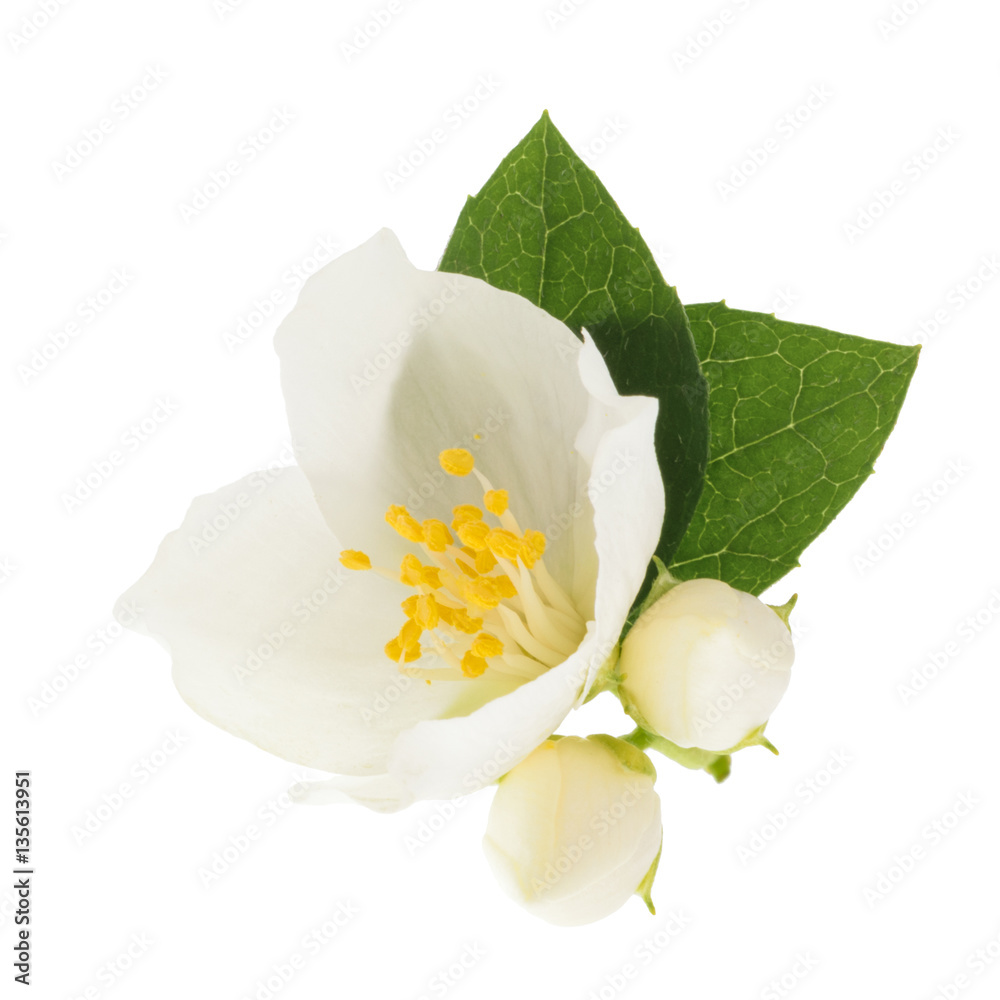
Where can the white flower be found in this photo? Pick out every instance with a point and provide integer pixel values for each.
(391, 376)
(705, 665)
(575, 829)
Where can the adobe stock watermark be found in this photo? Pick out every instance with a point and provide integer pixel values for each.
(913, 169)
(110, 973)
(931, 837)
(959, 296)
(88, 310)
(300, 613)
(207, 193)
(228, 512)
(898, 17)
(599, 482)
(710, 31)
(601, 824)
(560, 13)
(803, 963)
(447, 978)
(804, 794)
(757, 155)
(371, 28)
(129, 442)
(591, 151)
(978, 962)
(225, 857)
(225, 8)
(391, 350)
(122, 107)
(32, 25)
(96, 643)
(433, 822)
(922, 502)
(643, 955)
(728, 700)
(313, 943)
(937, 661)
(140, 773)
(434, 479)
(265, 307)
(454, 118)
(7, 569)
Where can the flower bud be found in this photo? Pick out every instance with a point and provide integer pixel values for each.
(575, 828)
(705, 665)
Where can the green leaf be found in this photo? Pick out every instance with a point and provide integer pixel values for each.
(798, 417)
(545, 227)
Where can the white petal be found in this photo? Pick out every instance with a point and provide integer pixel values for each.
(626, 491)
(384, 366)
(273, 640)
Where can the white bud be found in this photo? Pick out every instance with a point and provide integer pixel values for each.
(575, 828)
(705, 665)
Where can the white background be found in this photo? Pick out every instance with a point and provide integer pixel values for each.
(869, 616)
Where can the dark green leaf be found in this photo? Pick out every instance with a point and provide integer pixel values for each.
(545, 227)
(798, 417)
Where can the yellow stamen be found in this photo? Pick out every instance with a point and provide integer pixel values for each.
(353, 559)
(465, 512)
(437, 537)
(411, 571)
(496, 501)
(532, 547)
(481, 592)
(395, 652)
(504, 544)
(486, 645)
(536, 540)
(485, 561)
(425, 613)
(430, 576)
(460, 619)
(467, 569)
(473, 666)
(409, 635)
(456, 461)
(402, 521)
(503, 586)
(473, 534)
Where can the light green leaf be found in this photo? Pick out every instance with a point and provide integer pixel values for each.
(798, 417)
(545, 227)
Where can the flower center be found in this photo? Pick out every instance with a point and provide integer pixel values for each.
(482, 597)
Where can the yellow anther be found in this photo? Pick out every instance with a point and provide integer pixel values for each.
(456, 461)
(485, 561)
(536, 540)
(409, 635)
(473, 666)
(460, 619)
(405, 523)
(504, 544)
(395, 652)
(473, 534)
(437, 537)
(502, 586)
(496, 501)
(430, 576)
(465, 512)
(425, 612)
(410, 570)
(481, 592)
(486, 645)
(353, 559)
(467, 569)
(409, 606)
(532, 547)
